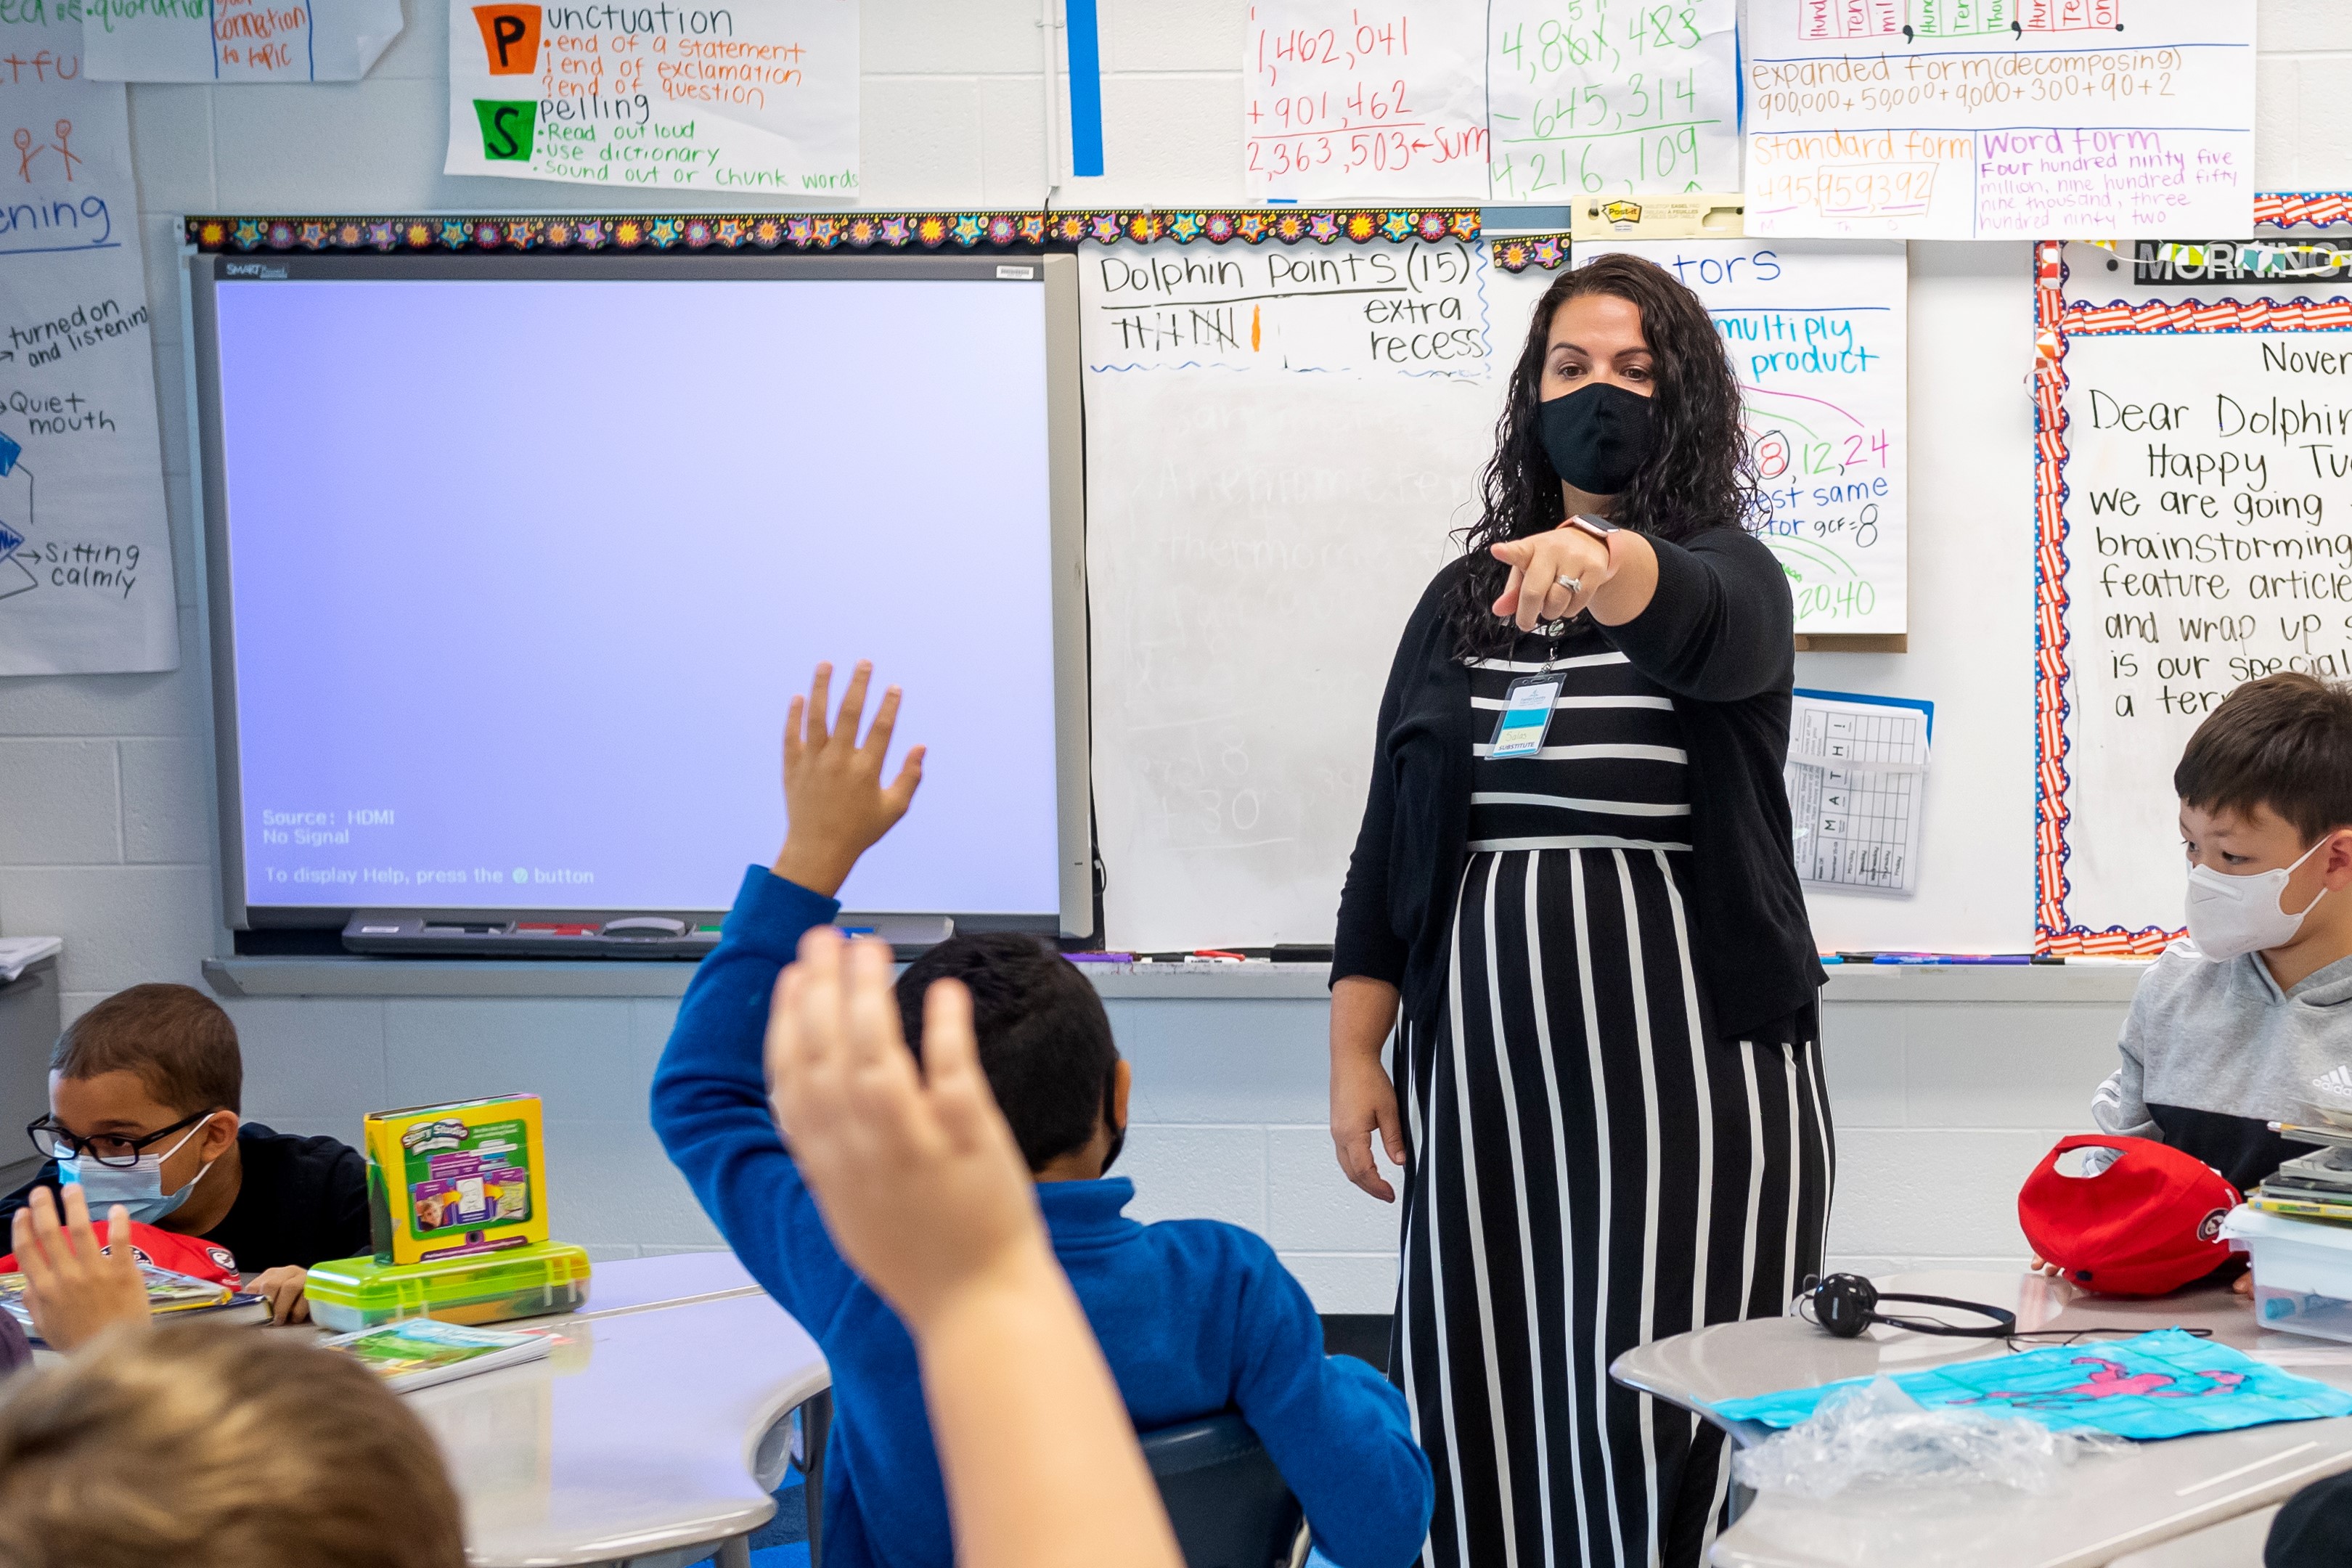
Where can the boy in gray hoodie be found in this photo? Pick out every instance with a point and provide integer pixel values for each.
(2230, 1026)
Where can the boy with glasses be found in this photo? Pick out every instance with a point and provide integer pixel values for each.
(144, 1093)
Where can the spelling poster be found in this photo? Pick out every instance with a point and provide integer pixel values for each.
(237, 40)
(1999, 119)
(85, 552)
(758, 97)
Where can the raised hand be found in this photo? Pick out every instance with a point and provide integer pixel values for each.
(74, 1289)
(835, 804)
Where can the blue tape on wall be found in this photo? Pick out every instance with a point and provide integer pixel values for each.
(1085, 89)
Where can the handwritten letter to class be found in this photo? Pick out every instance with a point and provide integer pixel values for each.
(1610, 98)
(1815, 332)
(1344, 102)
(749, 96)
(1999, 119)
(237, 40)
(85, 554)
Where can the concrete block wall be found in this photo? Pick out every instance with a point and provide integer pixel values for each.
(105, 827)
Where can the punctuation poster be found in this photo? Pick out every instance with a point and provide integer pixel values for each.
(237, 40)
(1999, 118)
(2206, 465)
(754, 96)
(1815, 332)
(85, 552)
(1281, 440)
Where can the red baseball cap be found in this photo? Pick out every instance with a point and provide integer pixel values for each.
(169, 1249)
(2150, 1222)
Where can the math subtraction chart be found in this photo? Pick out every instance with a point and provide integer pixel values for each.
(1610, 98)
(1999, 118)
(1857, 776)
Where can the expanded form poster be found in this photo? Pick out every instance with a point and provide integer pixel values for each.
(237, 40)
(85, 552)
(1609, 98)
(1346, 103)
(1999, 119)
(757, 96)
(1815, 330)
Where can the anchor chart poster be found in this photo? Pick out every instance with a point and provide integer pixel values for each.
(757, 96)
(85, 552)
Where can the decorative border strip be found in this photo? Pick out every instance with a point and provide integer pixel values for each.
(815, 231)
(1548, 251)
(2055, 324)
(2290, 209)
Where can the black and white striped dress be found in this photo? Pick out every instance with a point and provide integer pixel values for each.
(1591, 1168)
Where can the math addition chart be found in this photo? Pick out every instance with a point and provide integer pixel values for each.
(1999, 118)
(1608, 97)
(1347, 103)
(755, 97)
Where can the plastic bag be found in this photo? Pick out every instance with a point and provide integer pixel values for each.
(1875, 1435)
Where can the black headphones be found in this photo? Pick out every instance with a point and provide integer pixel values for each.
(1845, 1304)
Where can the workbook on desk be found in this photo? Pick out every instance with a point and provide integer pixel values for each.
(418, 1352)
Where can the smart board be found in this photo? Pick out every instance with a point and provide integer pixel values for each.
(515, 564)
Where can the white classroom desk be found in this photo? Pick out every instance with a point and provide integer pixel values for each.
(651, 1437)
(2105, 1508)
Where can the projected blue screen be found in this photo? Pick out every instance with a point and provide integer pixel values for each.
(524, 574)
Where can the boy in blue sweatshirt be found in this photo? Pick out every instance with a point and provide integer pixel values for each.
(1194, 1316)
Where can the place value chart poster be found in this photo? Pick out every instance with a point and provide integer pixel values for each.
(1999, 118)
(754, 97)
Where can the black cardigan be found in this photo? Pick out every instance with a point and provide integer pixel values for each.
(1719, 636)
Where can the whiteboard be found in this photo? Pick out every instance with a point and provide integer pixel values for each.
(1279, 442)
(2201, 487)
(1817, 333)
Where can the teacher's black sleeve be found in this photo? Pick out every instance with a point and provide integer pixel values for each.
(1721, 625)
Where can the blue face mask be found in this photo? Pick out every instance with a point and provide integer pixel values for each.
(138, 1188)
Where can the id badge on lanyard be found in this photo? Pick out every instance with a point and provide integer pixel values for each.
(1527, 714)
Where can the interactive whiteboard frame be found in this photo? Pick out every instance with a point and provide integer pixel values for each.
(2055, 322)
(1066, 491)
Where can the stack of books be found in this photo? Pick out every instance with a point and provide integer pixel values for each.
(2318, 1185)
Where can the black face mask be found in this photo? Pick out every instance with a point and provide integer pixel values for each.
(1597, 436)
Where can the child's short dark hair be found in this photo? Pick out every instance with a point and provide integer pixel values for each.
(177, 1038)
(1044, 1039)
(2284, 742)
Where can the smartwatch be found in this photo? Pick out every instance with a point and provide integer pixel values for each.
(1600, 527)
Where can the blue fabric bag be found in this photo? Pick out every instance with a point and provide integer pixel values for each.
(2168, 1383)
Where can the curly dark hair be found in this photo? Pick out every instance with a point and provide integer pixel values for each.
(1700, 473)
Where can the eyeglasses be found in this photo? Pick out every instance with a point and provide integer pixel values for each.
(51, 1137)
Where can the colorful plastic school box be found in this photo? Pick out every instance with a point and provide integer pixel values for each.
(451, 1181)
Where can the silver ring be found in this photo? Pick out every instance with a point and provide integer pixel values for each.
(1573, 584)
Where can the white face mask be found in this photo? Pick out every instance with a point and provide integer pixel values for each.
(2230, 915)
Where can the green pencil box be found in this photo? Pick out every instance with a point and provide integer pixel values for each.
(349, 1294)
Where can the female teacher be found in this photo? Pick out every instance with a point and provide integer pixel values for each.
(1575, 873)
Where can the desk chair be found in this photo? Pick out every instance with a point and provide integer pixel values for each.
(1230, 1506)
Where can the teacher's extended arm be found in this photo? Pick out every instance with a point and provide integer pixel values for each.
(1709, 619)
